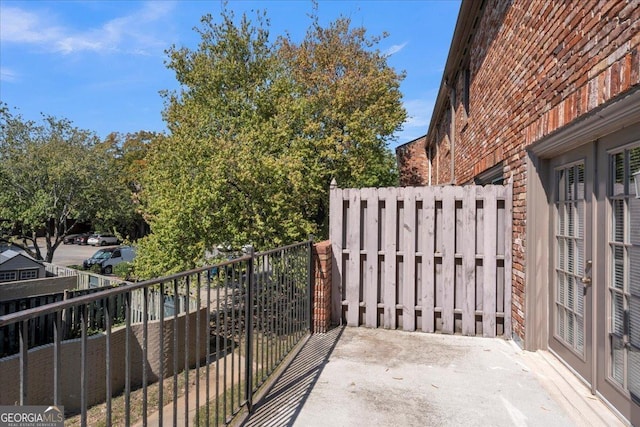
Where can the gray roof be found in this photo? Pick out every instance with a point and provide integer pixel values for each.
(10, 254)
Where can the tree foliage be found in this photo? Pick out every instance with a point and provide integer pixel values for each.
(53, 176)
(351, 107)
(257, 131)
(129, 153)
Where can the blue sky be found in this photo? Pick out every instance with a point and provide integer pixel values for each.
(101, 64)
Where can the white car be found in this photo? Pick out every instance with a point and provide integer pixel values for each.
(102, 240)
(110, 257)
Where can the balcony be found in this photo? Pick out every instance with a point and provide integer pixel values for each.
(355, 376)
(233, 344)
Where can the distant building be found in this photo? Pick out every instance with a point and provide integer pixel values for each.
(18, 266)
(414, 162)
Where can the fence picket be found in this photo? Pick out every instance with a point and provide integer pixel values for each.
(428, 249)
(489, 264)
(335, 234)
(353, 266)
(448, 260)
(409, 261)
(370, 285)
(508, 207)
(390, 257)
(469, 261)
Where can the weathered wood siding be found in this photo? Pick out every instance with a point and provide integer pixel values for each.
(423, 258)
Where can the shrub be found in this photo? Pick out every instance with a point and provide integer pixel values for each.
(124, 270)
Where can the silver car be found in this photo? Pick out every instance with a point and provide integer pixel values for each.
(102, 240)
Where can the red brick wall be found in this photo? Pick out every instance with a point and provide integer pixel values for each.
(535, 66)
(441, 164)
(413, 163)
(322, 291)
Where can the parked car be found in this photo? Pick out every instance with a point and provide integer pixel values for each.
(69, 239)
(81, 239)
(108, 258)
(102, 240)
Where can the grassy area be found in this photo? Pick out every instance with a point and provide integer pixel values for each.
(223, 404)
(96, 415)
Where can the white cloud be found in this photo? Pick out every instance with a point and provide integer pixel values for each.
(137, 33)
(418, 118)
(7, 75)
(418, 113)
(395, 49)
(21, 26)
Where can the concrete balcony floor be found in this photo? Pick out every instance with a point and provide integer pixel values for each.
(365, 377)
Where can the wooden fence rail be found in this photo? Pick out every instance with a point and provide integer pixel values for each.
(59, 271)
(428, 258)
(41, 328)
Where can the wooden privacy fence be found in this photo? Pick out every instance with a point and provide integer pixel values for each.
(428, 258)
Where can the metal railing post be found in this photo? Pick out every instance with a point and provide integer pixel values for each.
(84, 375)
(186, 350)
(198, 351)
(176, 311)
(162, 356)
(311, 287)
(145, 352)
(23, 334)
(208, 366)
(249, 338)
(57, 364)
(127, 366)
(108, 375)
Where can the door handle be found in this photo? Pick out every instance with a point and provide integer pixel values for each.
(586, 279)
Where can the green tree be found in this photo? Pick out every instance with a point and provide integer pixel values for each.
(129, 154)
(257, 131)
(350, 108)
(52, 176)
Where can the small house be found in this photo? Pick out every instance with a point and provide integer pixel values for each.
(16, 266)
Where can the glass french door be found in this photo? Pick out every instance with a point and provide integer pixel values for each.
(594, 265)
(619, 293)
(571, 293)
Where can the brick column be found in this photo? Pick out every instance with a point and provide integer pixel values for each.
(322, 291)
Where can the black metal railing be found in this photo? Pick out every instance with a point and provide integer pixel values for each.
(41, 328)
(197, 362)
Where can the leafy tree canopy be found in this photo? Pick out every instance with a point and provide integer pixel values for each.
(129, 154)
(52, 176)
(257, 132)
